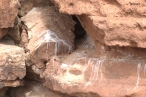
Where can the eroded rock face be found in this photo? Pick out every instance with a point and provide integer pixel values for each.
(120, 70)
(115, 22)
(12, 64)
(33, 89)
(50, 33)
(100, 76)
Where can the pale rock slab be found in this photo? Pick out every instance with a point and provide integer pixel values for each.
(49, 32)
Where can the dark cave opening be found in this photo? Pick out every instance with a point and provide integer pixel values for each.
(79, 30)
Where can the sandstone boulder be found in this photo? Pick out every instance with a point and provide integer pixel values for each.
(12, 64)
(113, 22)
(50, 33)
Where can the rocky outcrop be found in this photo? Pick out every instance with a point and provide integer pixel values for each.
(12, 64)
(86, 71)
(50, 33)
(72, 66)
(113, 22)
